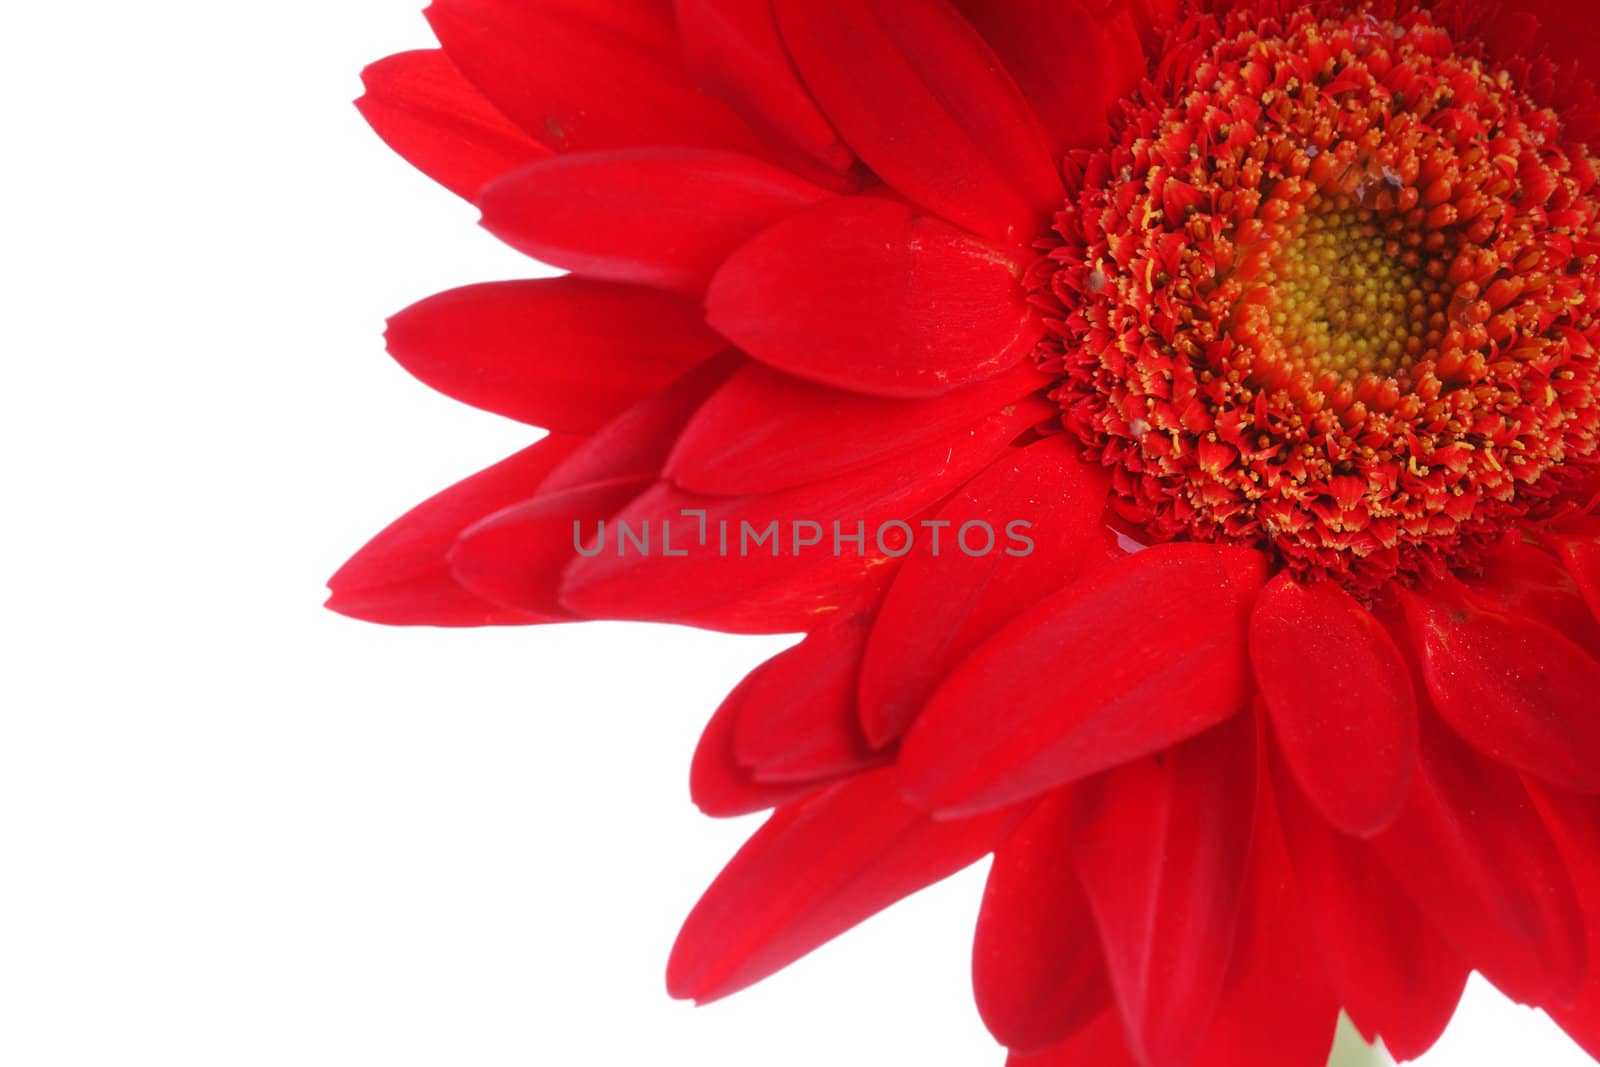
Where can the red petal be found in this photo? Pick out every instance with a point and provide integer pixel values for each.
(1574, 821)
(927, 105)
(1581, 554)
(1162, 845)
(766, 430)
(813, 871)
(719, 784)
(773, 587)
(1471, 851)
(1100, 1044)
(516, 557)
(1278, 1009)
(1132, 658)
(798, 720)
(558, 352)
(1527, 582)
(666, 217)
(401, 576)
(634, 446)
(1341, 699)
(943, 606)
(1395, 975)
(1072, 66)
(425, 110)
(734, 48)
(1516, 689)
(585, 75)
(1037, 969)
(865, 295)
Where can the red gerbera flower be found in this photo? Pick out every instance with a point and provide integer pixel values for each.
(1264, 332)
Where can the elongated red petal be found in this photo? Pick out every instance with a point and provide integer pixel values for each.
(766, 430)
(1395, 975)
(1072, 64)
(401, 576)
(425, 110)
(585, 75)
(565, 353)
(719, 784)
(798, 722)
(517, 556)
(734, 49)
(928, 106)
(777, 562)
(651, 565)
(1046, 701)
(1514, 688)
(942, 606)
(1100, 1044)
(1278, 1008)
(814, 870)
(1496, 888)
(865, 295)
(1581, 554)
(1162, 846)
(1574, 822)
(665, 217)
(1528, 582)
(1341, 699)
(1037, 968)
(635, 445)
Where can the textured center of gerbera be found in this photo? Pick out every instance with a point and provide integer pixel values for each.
(1340, 302)
(1332, 291)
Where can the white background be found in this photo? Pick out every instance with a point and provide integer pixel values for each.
(234, 828)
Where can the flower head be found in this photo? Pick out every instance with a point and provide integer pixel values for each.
(1330, 292)
(1173, 425)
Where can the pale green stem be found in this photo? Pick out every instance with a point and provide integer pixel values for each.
(1350, 1051)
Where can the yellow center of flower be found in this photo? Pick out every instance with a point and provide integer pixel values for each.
(1334, 291)
(1343, 301)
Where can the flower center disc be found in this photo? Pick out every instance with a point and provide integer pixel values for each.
(1331, 292)
(1341, 301)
